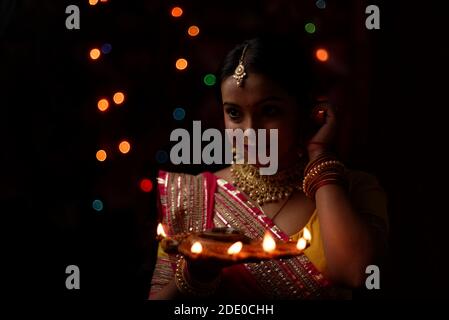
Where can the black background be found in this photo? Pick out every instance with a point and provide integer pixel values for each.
(393, 90)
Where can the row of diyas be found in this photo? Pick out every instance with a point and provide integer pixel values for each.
(222, 244)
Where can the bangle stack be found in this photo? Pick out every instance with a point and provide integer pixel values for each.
(191, 287)
(322, 171)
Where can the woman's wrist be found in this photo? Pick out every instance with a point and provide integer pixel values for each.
(200, 273)
(322, 170)
(187, 284)
(316, 149)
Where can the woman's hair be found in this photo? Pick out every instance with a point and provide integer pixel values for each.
(282, 59)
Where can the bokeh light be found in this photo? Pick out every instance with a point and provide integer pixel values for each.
(193, 31)
(103, 105)
(119, 97)
(310, 27)
(106, 48)
(97, 205)
(101, 155)
(93, 2)
(322, 55)
(210, 79)
(181, 64)
(161, 156)
(176, 12)
(179, 113)
(124, 147)
(321, 4)
(94, 54)
(146, 185)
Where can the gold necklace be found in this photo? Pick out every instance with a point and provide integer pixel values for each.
(267, 188)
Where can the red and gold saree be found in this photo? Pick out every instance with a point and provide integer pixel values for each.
(200, 202)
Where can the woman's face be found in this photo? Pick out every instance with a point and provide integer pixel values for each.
(262, 104)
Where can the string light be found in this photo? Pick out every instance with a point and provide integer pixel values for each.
(181, 64)
(101, 155)
(119, 97)
(193, 31)
(322, 55)
(146, 185)
(93, 2)
(124, 147)
(176, 12)
(94, 54)
(103, 105)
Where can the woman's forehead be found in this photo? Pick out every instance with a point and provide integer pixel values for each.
(256, 87)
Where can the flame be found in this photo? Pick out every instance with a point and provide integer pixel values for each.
(302, 243)
(268, 243)
(196, 247)
(160, 231)
(235, 248)
(307, 235)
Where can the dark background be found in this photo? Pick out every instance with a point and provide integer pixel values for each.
(390, 85)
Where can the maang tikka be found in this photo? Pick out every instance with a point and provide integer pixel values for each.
(239, 73)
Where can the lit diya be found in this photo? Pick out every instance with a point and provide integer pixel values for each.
(227, 244)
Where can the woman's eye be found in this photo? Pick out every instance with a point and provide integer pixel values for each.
(233, 113)
(271, 111)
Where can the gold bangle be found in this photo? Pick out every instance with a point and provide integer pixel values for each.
(319, 170)
(187, 286)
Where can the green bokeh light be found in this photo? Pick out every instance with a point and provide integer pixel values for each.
(310, 27)
(210, 79)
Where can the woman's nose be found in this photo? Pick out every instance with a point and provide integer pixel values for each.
(251, 123)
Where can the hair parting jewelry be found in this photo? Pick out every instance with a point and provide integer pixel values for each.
(239, 73)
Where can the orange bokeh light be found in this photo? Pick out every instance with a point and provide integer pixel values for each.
(124, 146)
(181, 64)
(103, 105)
(322, 55)
(193, 31)
(94, 54)
(176, 12)
(93, 2)
(101, 155)
(118, 97)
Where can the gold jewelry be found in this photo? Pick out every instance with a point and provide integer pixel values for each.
(239, 72)
(320, 172)
(267, 188)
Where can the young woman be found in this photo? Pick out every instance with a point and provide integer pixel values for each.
(267, 84)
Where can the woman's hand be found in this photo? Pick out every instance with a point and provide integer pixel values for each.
(325, 136)
(203, 270)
